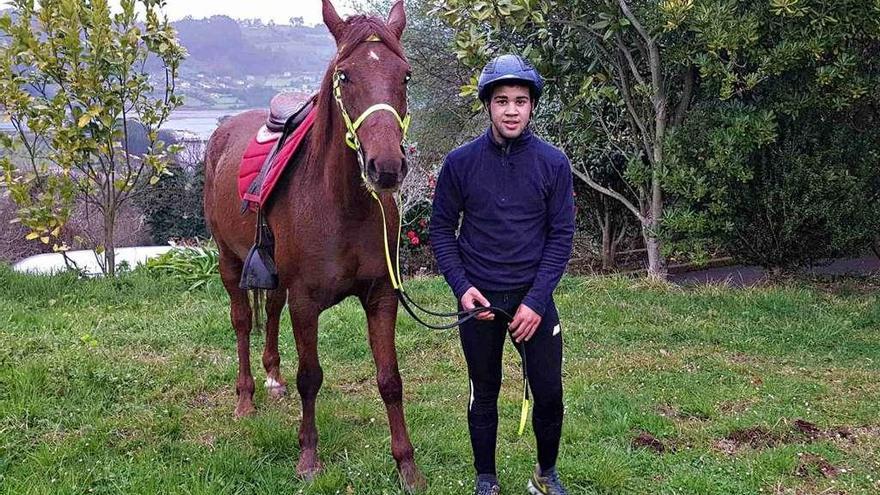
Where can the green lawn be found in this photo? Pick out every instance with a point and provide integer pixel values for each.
(127, 386)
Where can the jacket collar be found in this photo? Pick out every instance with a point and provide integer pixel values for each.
(512, 146)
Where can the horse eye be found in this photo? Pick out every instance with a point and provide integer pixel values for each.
(407, 78)
(343, 77)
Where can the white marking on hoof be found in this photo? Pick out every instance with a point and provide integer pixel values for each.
(272, 383)
(373, 55)
(557, 330)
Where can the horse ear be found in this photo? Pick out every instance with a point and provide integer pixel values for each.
(397, 19)
(334, 23)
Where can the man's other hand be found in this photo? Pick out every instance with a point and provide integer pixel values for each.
(525, 323)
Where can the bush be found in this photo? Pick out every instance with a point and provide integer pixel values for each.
(780, 192)
(173, 207)
(195, 266)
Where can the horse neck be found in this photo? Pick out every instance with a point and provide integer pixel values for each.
(337, 167)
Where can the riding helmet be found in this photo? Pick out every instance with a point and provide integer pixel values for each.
(509, 69)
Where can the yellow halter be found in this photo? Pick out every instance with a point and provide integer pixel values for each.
(351, 139)
(351, 128)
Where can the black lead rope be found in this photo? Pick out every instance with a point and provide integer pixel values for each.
(464, 316)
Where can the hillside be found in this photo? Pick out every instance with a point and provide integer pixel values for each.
(222, 46)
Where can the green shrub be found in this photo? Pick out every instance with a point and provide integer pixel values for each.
(195, 266)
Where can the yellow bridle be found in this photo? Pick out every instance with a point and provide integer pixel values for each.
(352, 141)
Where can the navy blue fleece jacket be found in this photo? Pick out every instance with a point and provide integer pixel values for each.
(518, 217)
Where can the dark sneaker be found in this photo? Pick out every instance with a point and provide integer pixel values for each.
(487, 485)
(545, 484)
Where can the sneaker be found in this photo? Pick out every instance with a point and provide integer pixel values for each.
(487, 485)
(545, 484)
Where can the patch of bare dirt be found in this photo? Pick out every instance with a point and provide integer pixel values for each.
(756, 437)
(645, 440)
(808, 464)
(802, 432)
(810, 430)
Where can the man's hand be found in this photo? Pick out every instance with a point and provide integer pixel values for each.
(471, 299)
(525, 323)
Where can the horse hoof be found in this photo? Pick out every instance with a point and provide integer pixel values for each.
(308, 466)
(244, 409)
(412, 478)
(275, 389)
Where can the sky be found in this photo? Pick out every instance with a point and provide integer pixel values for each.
(279, 11)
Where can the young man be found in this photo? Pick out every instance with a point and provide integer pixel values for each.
(513, 193)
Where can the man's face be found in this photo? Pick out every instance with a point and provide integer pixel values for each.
(510, 109)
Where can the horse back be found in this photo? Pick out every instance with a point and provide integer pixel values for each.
(233, 231)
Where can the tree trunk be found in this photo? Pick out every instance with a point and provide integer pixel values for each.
(607, 249)
(656, 261)
(109, 245)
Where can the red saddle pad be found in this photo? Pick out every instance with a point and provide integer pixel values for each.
(255, 155)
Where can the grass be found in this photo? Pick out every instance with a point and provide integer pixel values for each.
(127, 386)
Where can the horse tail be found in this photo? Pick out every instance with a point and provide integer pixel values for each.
(258, 309)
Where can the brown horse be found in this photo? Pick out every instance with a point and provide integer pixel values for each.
(327, 227)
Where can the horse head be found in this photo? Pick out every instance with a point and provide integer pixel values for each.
(370, 76)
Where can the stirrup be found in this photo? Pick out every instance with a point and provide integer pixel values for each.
(259, 270)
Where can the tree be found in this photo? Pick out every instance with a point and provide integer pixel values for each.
(782, 169)
(807, 191)
(632, 70)
(610, 61)
(72, 79)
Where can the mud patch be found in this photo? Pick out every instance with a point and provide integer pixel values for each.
(645, 440)
(756, 437)
(810, 464)
(802, 432)
(838, 434)
(809, 430)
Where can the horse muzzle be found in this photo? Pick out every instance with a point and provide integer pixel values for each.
(386, 176)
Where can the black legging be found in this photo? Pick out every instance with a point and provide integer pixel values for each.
(483, 345)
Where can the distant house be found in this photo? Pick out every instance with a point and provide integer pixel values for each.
(278, 83)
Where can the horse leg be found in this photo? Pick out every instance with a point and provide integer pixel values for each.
(240, 313)
(309, 377)
(381, 309)
(276, 385)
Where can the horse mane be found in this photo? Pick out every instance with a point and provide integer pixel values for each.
(357, 29)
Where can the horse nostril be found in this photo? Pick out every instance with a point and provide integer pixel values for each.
(371, 167)
(387, 180)
(404, 168)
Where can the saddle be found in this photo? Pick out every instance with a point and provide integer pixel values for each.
(286, 109)
(287, 117)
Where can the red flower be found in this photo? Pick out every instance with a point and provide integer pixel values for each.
(414, 240)
(423, 223)
(411, 234)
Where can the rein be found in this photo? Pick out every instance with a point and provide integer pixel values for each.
(352, 141)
